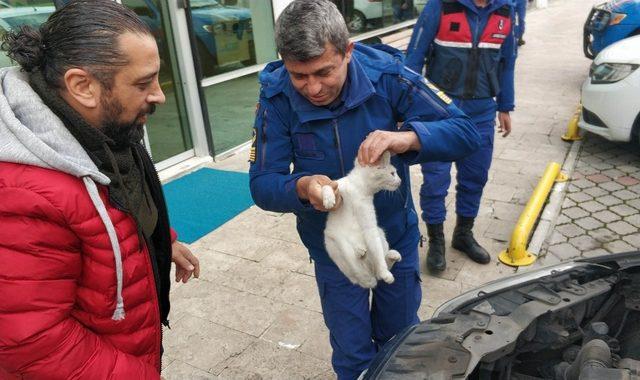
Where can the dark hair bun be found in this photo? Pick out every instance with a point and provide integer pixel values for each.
(25, 46)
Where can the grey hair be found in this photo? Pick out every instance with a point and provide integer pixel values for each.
(305, 26)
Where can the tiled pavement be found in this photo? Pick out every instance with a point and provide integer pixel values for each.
(601, 210)
(255, 312)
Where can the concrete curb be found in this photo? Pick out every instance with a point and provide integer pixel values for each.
(552, 209)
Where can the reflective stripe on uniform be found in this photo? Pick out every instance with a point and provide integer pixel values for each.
(489, 45)
(465, 45)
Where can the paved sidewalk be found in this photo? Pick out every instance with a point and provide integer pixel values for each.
(601, 210)
(255, 312)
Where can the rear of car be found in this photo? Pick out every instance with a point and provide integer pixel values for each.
(608, 23)
(611, 93)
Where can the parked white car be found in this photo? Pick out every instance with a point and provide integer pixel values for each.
(611, 94)
(366, 12)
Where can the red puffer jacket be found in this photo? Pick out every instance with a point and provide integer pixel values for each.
(58, 283)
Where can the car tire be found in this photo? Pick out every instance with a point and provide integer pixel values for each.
(208, 63)
(358, 22)
(252, 55)
(635, 131)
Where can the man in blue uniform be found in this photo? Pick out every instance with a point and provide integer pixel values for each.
(328, 102)
(469, 49)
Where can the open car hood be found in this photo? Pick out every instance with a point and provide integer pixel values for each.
(575, 320)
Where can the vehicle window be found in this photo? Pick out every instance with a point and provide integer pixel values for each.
(32, 20)
(14, 13)
(367, 15)
(231, 35)
(205, 4)
(142, 9)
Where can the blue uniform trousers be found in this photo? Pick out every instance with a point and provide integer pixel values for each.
(357, 328)
(472, 175)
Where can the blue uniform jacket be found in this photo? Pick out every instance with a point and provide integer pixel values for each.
(424, 32)
(379, 93)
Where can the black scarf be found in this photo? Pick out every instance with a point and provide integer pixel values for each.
(128, 189)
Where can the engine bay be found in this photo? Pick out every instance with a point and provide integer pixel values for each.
(581, 323)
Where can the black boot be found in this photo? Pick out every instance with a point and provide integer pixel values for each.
(464, 241)
(435, 254)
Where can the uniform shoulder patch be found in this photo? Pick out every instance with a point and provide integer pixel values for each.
(252, 150)
(439, 93)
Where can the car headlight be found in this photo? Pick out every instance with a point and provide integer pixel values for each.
(610, 72)
(599, 18)
(214, 28)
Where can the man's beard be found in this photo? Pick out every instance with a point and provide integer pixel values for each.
(122, 133)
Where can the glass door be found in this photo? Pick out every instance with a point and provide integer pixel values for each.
(168, 129)
(168, 136)
(233, 41)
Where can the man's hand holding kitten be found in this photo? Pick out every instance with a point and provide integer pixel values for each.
(310, 188)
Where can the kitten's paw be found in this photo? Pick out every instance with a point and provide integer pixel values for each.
(393, 256)
(387, 277)
(328, 198)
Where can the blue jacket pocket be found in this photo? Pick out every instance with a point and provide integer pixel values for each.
(305, 147)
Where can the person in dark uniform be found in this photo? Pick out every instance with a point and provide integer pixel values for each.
(469, 50)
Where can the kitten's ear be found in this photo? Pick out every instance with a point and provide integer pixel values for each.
(386, 158)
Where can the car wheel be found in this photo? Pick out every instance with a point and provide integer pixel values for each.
(635, 131)
(208, 62)
(358, 22)
(252, 55)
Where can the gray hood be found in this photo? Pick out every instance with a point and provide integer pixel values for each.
(30, 133)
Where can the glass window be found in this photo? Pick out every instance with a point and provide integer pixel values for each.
(232, 34)
(232, 107)
(168, 128)
(14, 13)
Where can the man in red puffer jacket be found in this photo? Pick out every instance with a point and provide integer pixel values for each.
(85, 243)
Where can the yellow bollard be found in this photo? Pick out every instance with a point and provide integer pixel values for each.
(516, 255)
(573, 132)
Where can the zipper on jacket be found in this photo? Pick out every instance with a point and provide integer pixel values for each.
(156, 296)
(336, 135)
(443, 111)
(417, 40)
(264, 139)
(407, 186)
(161, 348)
(471, 80)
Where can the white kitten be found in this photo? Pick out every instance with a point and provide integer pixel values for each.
(352, 237)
